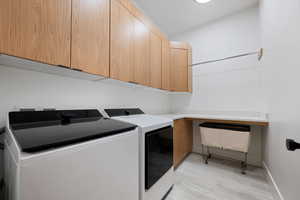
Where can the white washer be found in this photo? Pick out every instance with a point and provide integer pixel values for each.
(156, 151)
(70, 155)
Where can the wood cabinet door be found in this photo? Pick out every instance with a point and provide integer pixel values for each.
(122, 43)
(38, 30)
(179, 70)
(183, 140)
(141, 53)
(155, 61)
(177, 147)
(90, 36)
(166, 71)
(188, 137)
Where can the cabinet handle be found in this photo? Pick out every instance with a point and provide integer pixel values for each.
(291, 145)
(2, 130)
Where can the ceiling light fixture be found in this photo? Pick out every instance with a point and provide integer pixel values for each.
(202, 1)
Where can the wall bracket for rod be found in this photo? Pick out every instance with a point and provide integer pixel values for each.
(260, 54)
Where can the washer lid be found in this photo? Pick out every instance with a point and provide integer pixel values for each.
(145, 121)
(42, 130)
(138, 117)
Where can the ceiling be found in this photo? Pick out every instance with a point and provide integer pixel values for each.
(176, 16)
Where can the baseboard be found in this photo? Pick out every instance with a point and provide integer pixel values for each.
(276, 192)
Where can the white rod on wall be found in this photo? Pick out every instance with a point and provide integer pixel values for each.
(259, 56)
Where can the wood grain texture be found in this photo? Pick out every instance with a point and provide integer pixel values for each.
(122, 43)
(37, 30)
(155, 61)
(147, 46)
(179, 70)
(166, 70)
(90, 36)
(141, 53)
(183, 140)
(139, 15)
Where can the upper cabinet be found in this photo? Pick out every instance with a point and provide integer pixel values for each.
(141, 53)
(110, 38)
(166, 65)
(136, 48)
(90, 36)
(147, 46)
(181, 70)
(37, 30)
(155, 61)
(122, 43)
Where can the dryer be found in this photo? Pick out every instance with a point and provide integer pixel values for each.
(156, 151)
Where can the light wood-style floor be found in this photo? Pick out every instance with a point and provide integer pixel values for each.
(219, 180)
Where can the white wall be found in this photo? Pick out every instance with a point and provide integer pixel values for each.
(280, 21)
(28, 89)
(233, 86)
